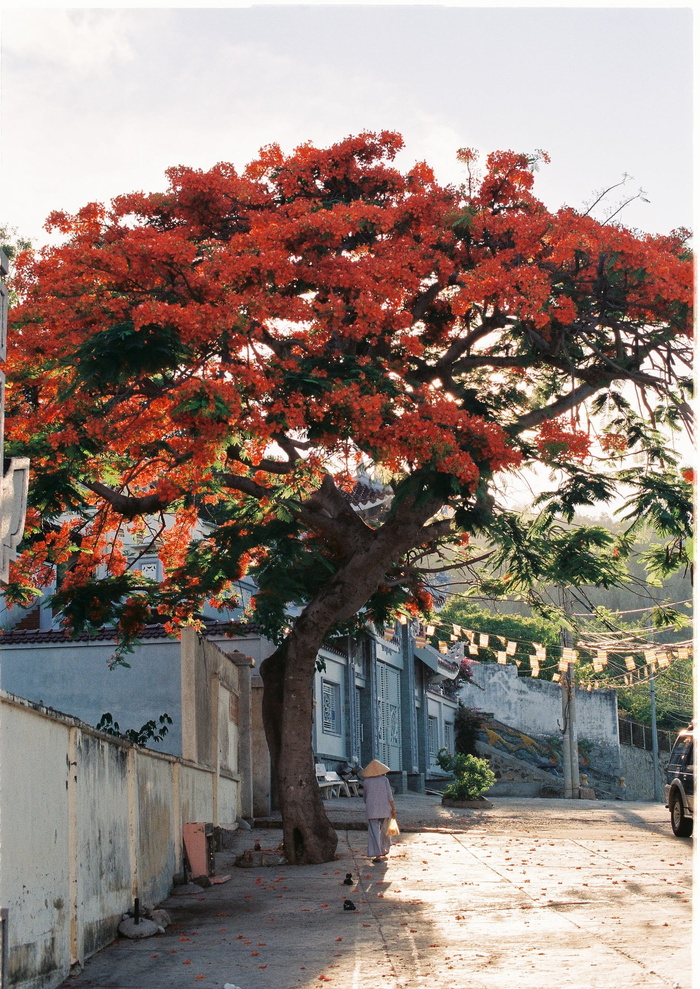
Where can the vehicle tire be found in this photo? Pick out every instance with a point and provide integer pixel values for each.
(682, 825)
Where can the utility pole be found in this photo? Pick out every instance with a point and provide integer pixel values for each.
(568, 710)
(652, 712)
(654, 735)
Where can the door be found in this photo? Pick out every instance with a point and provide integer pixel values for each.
(389, 715)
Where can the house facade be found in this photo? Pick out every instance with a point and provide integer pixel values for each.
(375, 697)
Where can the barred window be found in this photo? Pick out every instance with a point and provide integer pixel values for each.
(433, 742)
(449, 736)
(331, 707)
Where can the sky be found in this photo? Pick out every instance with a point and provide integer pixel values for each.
(97, 102)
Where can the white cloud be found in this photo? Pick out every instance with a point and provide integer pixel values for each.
(84, 41)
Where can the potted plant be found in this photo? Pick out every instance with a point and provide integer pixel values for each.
(473, 777)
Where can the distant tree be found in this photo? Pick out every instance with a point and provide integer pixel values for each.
(522, 629)
(241, 344)
(674, 698)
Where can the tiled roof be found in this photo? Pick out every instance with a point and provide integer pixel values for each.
(365, 495)
(26, 637)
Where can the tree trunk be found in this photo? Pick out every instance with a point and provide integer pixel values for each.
(308, 835)
(288, 676)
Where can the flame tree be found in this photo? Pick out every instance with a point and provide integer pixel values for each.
(238, 346)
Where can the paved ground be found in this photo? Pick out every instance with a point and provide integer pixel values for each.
(533, 894)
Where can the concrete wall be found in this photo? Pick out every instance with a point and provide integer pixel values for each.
(534, 706)
(637, 770)
(74, 677)
(88, 823)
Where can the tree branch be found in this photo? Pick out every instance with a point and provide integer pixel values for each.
(128, 505)
(269, 466)
(561, 405)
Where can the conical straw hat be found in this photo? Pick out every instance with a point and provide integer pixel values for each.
(374, 768)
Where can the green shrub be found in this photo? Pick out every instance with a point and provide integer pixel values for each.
(473, 776)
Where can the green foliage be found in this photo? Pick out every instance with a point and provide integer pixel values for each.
(532, 550)
(473, 776)
(151, 731)
(121, 354)
(519, 628)
(674, 697)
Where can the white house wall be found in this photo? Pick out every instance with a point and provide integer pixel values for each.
(534, 706)
(328, 744)
(443, 710)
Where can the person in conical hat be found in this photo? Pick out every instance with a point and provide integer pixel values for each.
(374, 768)
(379, 808)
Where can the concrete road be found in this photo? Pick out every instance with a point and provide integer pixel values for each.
(533, 894)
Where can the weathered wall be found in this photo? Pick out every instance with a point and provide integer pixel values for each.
(157, 823)
(637, 770)
(88, 823)
(35, 877)
(534, 706)
(98, 827)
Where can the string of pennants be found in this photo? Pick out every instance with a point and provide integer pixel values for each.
(655, 657)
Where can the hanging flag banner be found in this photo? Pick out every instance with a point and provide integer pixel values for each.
(570, 655)
(597, 666)
(602, 656)
(502, 658)
(630, 663)
(556, 677)
(534, 666)
(511, 648)
(473, 650)
(421, 642)
(483, 641)
(563, 665)
(430, 630)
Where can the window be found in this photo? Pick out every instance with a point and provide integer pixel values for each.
(433, 743)
(357, 726)
(449, 736)
(331, 707)
(389, 715)
(149, 568)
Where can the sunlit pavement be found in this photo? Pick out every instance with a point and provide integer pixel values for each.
(531, 894)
